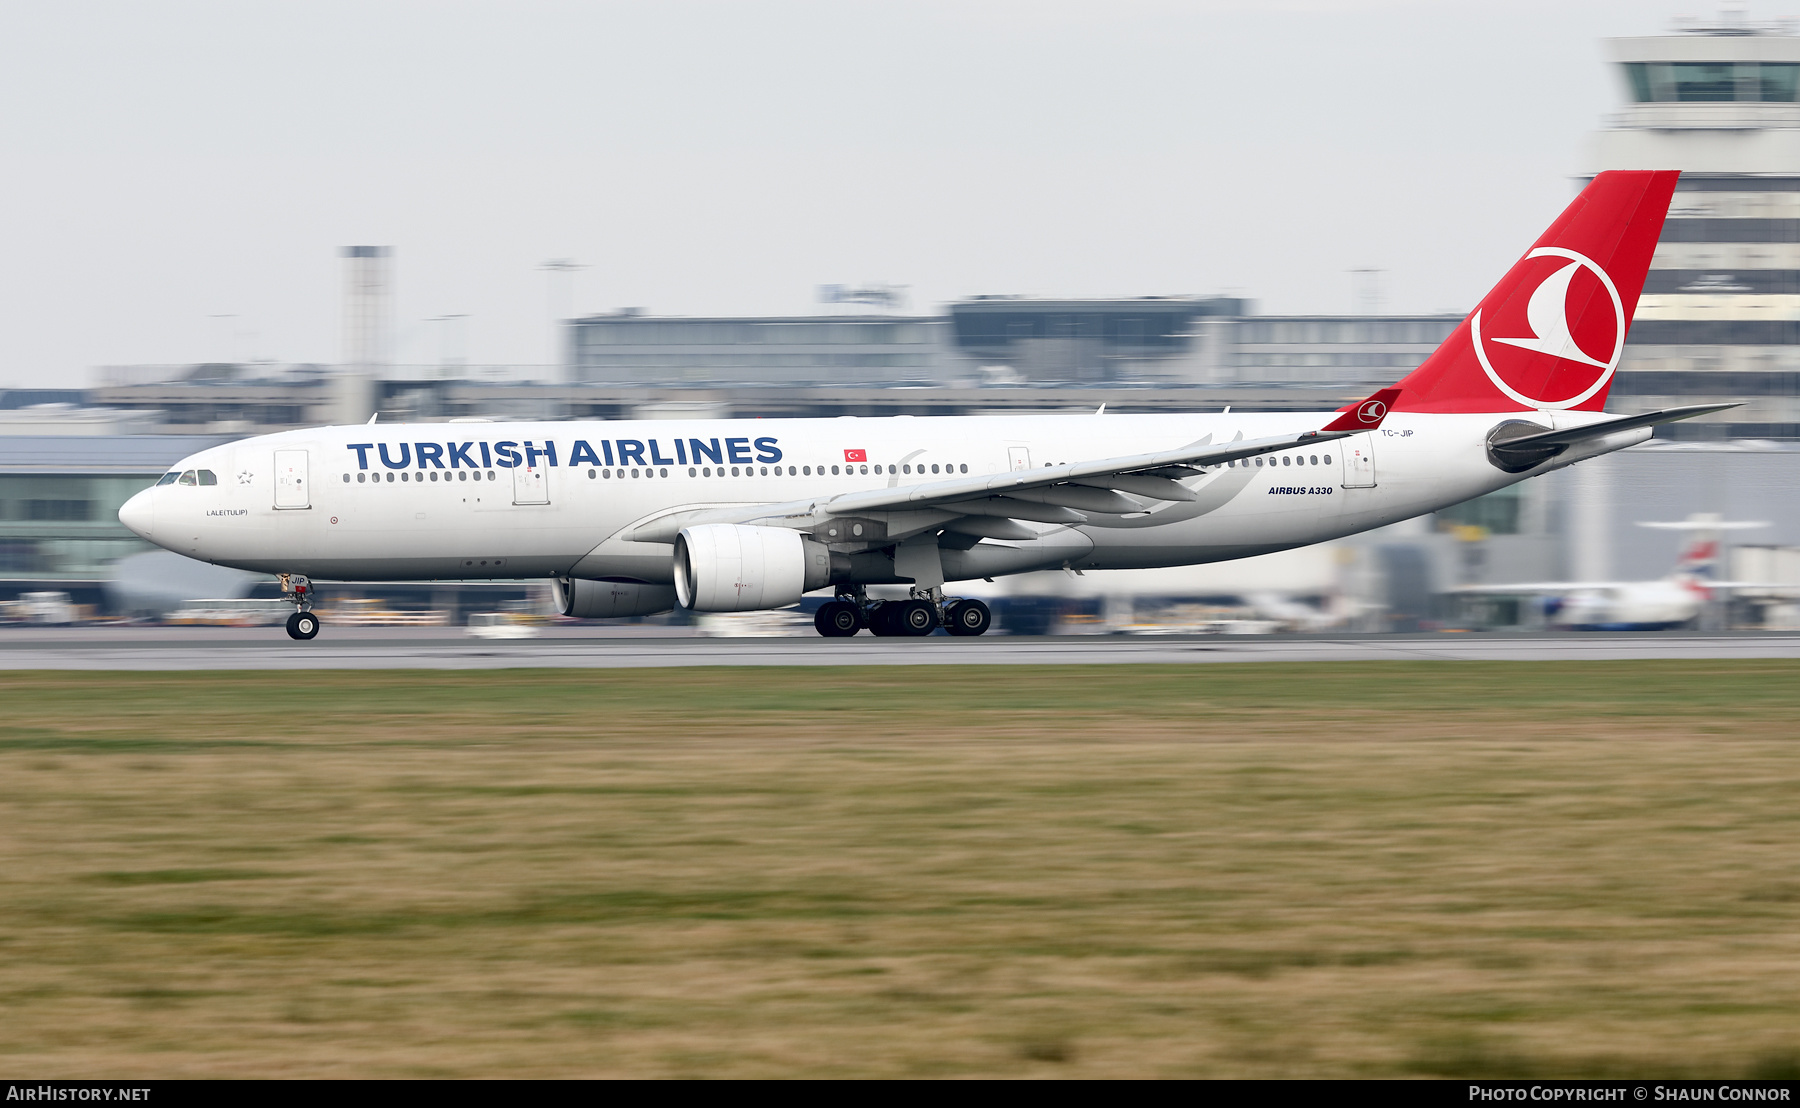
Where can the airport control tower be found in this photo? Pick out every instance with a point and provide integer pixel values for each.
(1720, 313)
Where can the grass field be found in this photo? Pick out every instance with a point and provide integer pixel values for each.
(1270, 870)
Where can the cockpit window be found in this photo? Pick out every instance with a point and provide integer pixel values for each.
(169, 477)
(207, 477)
(188, 478)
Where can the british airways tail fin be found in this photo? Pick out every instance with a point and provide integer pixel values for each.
(1699, 557)
(1550, 334)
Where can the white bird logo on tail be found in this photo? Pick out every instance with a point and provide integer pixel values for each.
(1547, 313)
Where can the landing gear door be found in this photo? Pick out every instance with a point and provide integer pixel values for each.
(1359, 461)
(531, 485)
(292, 484)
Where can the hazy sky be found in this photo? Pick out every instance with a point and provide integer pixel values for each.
(176, 177)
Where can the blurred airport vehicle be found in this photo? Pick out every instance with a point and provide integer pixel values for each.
(1776, 608)
(369, 611)
(770, 624)
(41, 609)
(1491, 407)
(240, 611)
(1298, 589)
(502, 625)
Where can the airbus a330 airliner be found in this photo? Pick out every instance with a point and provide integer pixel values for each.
(631, 517)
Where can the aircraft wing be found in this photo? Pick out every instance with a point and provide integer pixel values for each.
(1550, 588)
(1144, 474)
(1053, 494)
(1771, 585)
(1041, 495)
(1153, 475)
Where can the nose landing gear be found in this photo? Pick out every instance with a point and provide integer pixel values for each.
(303, 624)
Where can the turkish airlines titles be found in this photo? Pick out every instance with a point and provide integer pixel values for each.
(508, 454)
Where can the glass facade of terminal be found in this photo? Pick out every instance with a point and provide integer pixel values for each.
(648, 350)
(65, 527)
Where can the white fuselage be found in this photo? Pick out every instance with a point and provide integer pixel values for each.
(1637, 605)
(515, 500)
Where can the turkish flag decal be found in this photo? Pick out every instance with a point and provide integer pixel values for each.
(856, 455)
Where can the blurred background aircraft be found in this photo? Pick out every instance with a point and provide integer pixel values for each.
(1679, 599)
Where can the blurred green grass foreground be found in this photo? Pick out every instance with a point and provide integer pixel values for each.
(1432, 868)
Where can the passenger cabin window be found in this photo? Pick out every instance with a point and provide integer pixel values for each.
(169, 477)
(188, 478)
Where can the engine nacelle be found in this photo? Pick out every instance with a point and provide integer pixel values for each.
(604, 599)
(724, 567)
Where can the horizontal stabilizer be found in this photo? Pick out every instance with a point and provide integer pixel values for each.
(1521, 452)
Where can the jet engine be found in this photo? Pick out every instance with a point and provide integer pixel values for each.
(723, 567)
(601, 599)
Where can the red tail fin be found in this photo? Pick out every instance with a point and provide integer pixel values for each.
(1551, 333)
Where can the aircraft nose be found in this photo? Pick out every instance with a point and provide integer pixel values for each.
(138, 515)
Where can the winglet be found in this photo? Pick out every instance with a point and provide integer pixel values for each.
(1367, 415)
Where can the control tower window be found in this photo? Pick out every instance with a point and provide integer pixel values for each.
(1702, 82)
(1780, 83)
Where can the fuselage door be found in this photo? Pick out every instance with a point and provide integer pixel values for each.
(291, 480)
(1359, 461)
(1018, 457)
(531, 485)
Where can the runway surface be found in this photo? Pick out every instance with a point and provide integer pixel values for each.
(208, 648)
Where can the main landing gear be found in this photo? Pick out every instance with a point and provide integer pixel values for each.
(914, 617)
(303, 624)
